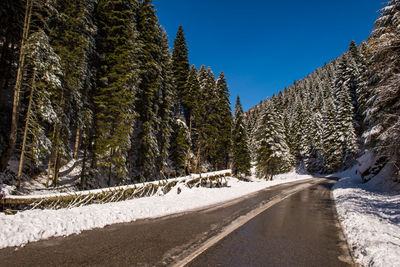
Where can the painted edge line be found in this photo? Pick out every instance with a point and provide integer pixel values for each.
(239, 222)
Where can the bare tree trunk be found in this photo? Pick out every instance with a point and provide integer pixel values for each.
(198, 160)
(109, 175)
(83, 181)
(50, 158)
(76, 142)
(48, 172)
(56, 168)
(5, 157)
(27, 122)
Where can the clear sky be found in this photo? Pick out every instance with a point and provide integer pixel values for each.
(264, 45)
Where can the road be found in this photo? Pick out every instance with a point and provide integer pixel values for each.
(292, 224)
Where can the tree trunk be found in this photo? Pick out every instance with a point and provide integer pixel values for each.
(76, 142)
(109, 175)
(6, 155)
(57, 168)
(27, 122)
(48, 172)
(50, 159)
(83, 181)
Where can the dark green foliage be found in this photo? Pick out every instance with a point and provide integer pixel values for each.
(240, 152)
(154, 99)
(116, 86)
(180, 147)
(72, 38)
(180, 66)
(224, 124)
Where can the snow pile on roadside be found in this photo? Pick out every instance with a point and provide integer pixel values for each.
(370, 216)
(33, 225)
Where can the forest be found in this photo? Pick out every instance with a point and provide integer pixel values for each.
(343, 110)
(96, 81)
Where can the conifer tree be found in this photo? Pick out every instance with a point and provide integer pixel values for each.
(73, 39)
(164, 107)
(180, 147)
(153, 97)
(181, 67)
(116, 87)
(209, 117)
(383, 115)
(44, 84)
(344, 144)
(240, 151)
(273, 155)
(192, 100)
(224, 123)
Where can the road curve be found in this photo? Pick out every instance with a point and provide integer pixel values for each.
(299, 224)
(301, 230)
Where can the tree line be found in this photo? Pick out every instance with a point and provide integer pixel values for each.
(95, 80)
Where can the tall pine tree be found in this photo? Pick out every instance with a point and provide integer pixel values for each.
(240, 152)
(117, 85)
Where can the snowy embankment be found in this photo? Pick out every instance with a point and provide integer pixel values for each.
(34, 225)
(370, 216)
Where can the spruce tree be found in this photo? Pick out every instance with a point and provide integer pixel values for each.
(116, 86)
(164, 106)
(180, 147)
(44, 71)
(151, 136)
(209, 118)
(192, 99)
(224, 124)
(181, 67)
(383, 115)
(240, 151)
(342, 143)
(72, 37)
(273, 155)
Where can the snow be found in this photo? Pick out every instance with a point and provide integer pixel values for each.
(116, 188)
(34, 225)
(370, 216)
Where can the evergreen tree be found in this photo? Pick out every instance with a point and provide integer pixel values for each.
(273, 155)
(224, 124)
(208, 126)
(181, 67)
(192, 99)
(180, 147)
(241, 153)
(73, 39)
(164, 107)
(153, 99)
(383, 115)
(116, 86)
(43, 85)
(344, 144)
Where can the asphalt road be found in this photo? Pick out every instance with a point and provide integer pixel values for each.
(285, 225)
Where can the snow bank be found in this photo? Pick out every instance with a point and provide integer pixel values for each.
(33, 225)
(370, 216)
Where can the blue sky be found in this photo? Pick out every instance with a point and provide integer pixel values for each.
(262, 45)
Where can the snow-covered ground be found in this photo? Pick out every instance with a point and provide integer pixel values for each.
(370, 216)
(33, 225)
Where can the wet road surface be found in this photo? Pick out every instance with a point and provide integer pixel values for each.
(301, 230)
